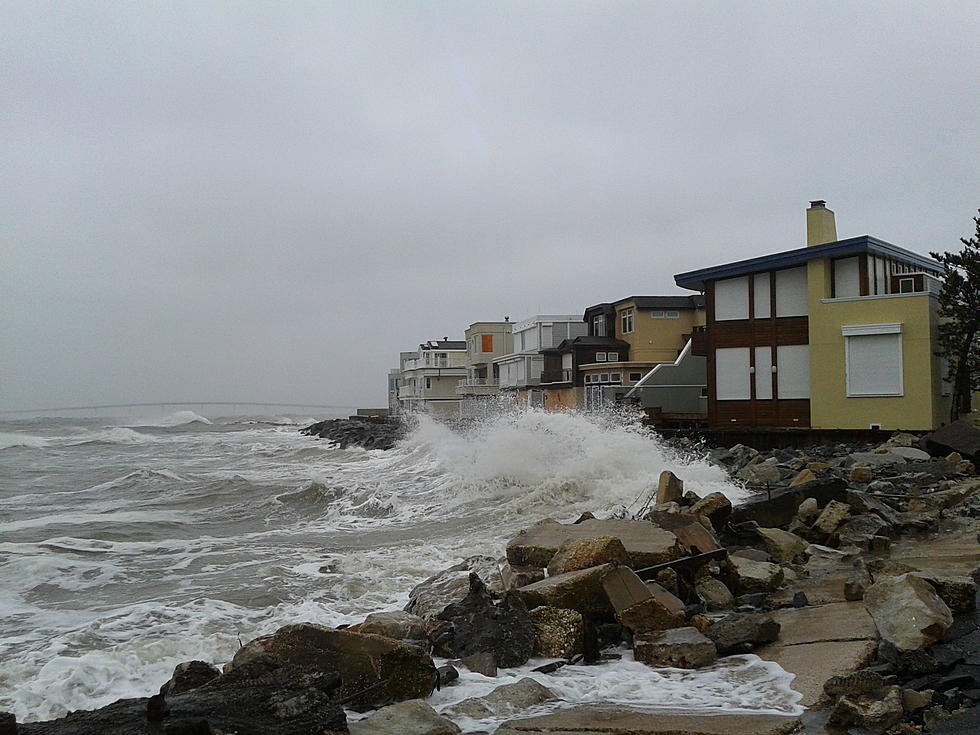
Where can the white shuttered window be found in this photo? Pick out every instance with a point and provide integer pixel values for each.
(791, 292)
(732, 379)
(874, 360)
(847, 278)
(793, 371)
(732, 299)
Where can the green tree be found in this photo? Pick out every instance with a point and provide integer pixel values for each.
(959, 329)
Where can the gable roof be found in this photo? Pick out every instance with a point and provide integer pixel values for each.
(787, 259)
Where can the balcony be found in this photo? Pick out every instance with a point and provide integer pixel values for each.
(477, 387)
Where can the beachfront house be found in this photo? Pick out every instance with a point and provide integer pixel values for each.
(428, 378)
(485, 341)
(840, 334)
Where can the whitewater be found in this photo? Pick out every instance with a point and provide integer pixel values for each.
(127, 547)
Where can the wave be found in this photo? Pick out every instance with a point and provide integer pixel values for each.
(28, 441)
(178, 418)
(114, 435)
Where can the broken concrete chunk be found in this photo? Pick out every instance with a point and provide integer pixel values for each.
(831, 517)
(869, 712)
(907, 611)
(650, 615)
(623, 588)
(670, 488)
(645, 543)
(581, 590)
(749, 576)
(737, 629)
(681, 648)
(716, 506)
(714, 594)
(557, 633)
(413, 717)
(574, 554)
(782, 546)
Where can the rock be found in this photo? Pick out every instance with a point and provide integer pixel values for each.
(667, 578)
(754, 576)
(581, 590)
(753, 554)
(714, 593)
(857, 584)
(934, 717)
(669, 489)
(882, 568)
(716, 506)
(959, 593)
(477, 625)
(954, 457)
(651, 615)
(189, 676)
(8, 724)
(868, 712)
(867, 503)
(623, 589)
(645, 543)
(504, 700)
(939, 501)
(907, 611)
(966, 467)
(861, 474)
(737, 629)
(782, 545)
(361, 659)
(808, 510)
(763, 473)
(688, 528)
(861, 530)
(913, 701)
(481, 663)
(862, 683)
(911, 454)
(396, 624)
(902, 439)
(514, 577)
(262, 698)
(804, 476)
(818, 467)
(682, 648)
(574, 554)
(831, 517)
(777, 509)
(557, 633)
(959, 436)
(413, 717)
(873, 459)
(429, 598)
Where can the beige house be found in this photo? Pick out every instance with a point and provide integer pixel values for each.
(428, 378)
(485, 341)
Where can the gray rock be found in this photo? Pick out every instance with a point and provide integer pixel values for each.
(714, 594)
(581, 590)
(504, 700)
(873, 459)
(869, 712)
(429, 598)
(782, 545)
(861, 530)
(413, 717)
(763, 473)
(682, 648)
(911, 454)
(907, 611)
(396, 624)
(808, 510)
(959, 436)
(737, 629)
(754, 576)
(514, 577)
(582, 553)
(777, 510)
(716, 507)
(189, 675)
(645, 543)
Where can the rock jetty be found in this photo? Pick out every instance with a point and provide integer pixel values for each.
(854, 568)
(370, 432)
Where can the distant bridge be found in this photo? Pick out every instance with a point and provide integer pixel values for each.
(181, 404)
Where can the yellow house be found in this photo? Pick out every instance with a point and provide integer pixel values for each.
(840, 334)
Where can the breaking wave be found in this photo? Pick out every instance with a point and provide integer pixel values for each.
(178, 418)
(11, 440)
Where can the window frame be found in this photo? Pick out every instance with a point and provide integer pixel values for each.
(612, 357)
(635, 377)
(869, 330)
(600, 357)
(626, 317)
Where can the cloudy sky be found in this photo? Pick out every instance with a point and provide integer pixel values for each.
(268, 201)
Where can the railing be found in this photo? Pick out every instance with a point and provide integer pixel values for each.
(477, 383)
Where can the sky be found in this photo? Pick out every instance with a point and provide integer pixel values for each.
(268, 201)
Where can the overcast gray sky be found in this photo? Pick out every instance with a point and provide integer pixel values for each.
(268, 201)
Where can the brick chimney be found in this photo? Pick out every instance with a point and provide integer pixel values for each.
(820, 225)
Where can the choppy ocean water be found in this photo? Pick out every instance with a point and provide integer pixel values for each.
(129, 546)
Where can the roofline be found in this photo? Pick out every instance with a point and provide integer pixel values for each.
(695, 280)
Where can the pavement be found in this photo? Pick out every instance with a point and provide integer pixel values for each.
(619, 721)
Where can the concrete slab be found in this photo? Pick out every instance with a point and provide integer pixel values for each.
(580, 590)
(617, 721)
(645, 543)
(840, 621)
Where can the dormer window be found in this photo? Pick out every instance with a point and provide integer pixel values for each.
(626, 321)
(598, 326)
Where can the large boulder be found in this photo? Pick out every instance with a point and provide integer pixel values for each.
(390, 670)
(429, 598)
(762, 473)
(669, 488)
(645, 543)
(575, 553)
(716, 507)
(504, 700)
(189, 675)
(737, 629)
(396, 624)
(777, 509)
(558, 633)
(782, 546)
(747, 575)
(413, 717)
(959, 436)
(581, 590)
(907, 611)
(477, 625)
(680, 648)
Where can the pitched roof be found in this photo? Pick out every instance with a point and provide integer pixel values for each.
(440, 344)
(789, 258)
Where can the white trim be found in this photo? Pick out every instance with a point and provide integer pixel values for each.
(879, 296)
(901, 365)
(857, 330)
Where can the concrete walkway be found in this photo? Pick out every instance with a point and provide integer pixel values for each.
(618, 721)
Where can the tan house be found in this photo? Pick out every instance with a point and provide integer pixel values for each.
(428, 378)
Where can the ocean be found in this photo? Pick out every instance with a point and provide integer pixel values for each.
(130, 545)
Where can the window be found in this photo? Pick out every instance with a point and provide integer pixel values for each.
(732, 381)
(793, 371)
(791, 292)
(616, 377)
(487, 340)
(847, 277)
(634, 377)
(906, 285)
(588, 378)
(566, 361)
(598, 326)
(612, 357)
(762, 307)
(603, 377)
(600, 357)
(657, 314)
(873, 359)
(763, 373)
(673, 315)
(732, 299)
(626, 321)
(428, 383)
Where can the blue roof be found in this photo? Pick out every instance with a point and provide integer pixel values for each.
(695, 280)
